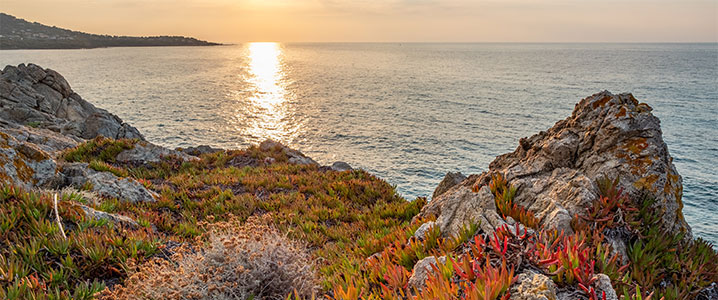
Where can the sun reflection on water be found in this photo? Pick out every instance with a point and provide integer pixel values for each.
(268, 97)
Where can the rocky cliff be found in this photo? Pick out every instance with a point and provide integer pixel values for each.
(41, 116)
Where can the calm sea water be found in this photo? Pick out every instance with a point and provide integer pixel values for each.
(405, 112)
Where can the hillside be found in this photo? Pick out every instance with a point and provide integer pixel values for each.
(17, 33)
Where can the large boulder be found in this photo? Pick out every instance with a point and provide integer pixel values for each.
(31, 95)
(555, 171)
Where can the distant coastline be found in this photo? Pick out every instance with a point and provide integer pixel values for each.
(16, 33)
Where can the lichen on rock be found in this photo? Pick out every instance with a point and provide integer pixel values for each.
(555, 171)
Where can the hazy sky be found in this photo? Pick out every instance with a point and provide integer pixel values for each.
(389, 20)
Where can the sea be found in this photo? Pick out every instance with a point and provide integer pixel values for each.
(406, 112)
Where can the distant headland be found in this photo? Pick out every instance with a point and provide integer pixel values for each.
(16, 33)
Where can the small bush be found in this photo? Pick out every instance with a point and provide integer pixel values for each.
(247, 261)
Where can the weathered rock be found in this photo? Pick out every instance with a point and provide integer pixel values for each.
(145, 152)
(533, 286)
(421, 272)
(341, 166)
(112, 218)
(555, 171)
(459, 206)
(420, 232)
(603, 284)
(106, 184)
(295, 157)
(199, 150)
(450, 179)
(607, 135)
(30, 94)
(49, 141)
(24, 164)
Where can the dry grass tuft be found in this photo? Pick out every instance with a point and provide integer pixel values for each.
(242, 260)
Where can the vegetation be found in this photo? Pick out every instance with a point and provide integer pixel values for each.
(36, 262)
(243, 260)
(327, 211)
(17, 33)
(660, 265)
(318, 233)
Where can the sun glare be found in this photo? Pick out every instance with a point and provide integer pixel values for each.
(269, 94)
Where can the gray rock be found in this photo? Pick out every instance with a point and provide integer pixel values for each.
(533, 286)
(31, 94)
(144, 152)
(555, 171)
(199, 150)
(106, 184)
(421, 272)
(450, 180)
(420, 232)
(24, 164)
(603, 284)
(295, 157)
(459, 206)
(112, 218)
(341, 166)
(49, 141)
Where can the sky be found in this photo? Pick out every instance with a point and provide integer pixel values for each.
(233, 21)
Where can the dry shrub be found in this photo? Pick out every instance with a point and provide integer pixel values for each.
(241, 261)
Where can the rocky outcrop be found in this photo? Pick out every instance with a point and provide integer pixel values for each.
(555, 171)
(47, 140)
(145, 152)
(40, 117)
(450, 179)
(106, 184)
(31, 95)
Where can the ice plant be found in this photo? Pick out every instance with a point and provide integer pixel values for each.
(504, 200)
(484, 281)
